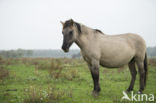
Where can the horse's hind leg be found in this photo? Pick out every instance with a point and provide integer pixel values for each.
(133, 72)
(140, 65)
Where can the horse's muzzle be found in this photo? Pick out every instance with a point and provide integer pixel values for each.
(65, 49)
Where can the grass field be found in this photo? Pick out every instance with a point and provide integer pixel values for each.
(26, 80)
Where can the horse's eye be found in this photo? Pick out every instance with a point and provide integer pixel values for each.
(71, 33)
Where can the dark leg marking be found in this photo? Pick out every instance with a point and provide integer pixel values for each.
(95, 76)
(133, 72)
(142, 75)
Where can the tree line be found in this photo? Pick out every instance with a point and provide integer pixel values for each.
(151, 52)
(37, 53)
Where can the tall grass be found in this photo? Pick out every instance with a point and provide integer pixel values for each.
(58, 68)
(152, 61)
(55, 68)
(50, 95)
(4, 73)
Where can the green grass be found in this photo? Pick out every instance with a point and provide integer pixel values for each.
(27, 84)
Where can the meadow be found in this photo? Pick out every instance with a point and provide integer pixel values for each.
(48, 80)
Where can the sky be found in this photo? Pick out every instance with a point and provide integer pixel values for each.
(35, 24)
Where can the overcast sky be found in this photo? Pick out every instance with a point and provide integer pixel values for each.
(35, 24)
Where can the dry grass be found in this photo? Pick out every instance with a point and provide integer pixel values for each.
(1, 60)
(70, 74)
(3, 73)
(58, 68)
(152, 61)
(55, 68)
(49, 95)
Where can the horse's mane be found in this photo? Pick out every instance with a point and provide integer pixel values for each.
(97, 30)
(78, 27)
(70, 22)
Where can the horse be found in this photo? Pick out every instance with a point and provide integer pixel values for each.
(111, 51)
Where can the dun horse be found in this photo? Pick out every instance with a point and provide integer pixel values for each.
(110, 51)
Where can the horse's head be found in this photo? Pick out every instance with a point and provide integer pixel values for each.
(70, 33)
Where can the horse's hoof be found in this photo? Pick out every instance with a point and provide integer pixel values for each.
(95, 93)
(139, 92)
(128, 90)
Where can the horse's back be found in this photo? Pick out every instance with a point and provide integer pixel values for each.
(132, 40)
(118, 50)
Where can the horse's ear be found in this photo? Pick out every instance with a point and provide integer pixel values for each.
(72, 21)
(62, 23)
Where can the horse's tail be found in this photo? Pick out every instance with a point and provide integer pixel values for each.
(145, 68)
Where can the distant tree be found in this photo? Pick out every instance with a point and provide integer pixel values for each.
(151, 51)
(29, 53)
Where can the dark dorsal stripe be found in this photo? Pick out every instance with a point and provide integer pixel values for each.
(97, 30)
(78, 27)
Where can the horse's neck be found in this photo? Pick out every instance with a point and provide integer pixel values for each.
(86, 30)
(86, 36)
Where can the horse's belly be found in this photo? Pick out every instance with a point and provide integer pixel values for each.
(116, 61)
(113, 64)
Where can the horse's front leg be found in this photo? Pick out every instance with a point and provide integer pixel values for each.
(94, 68)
